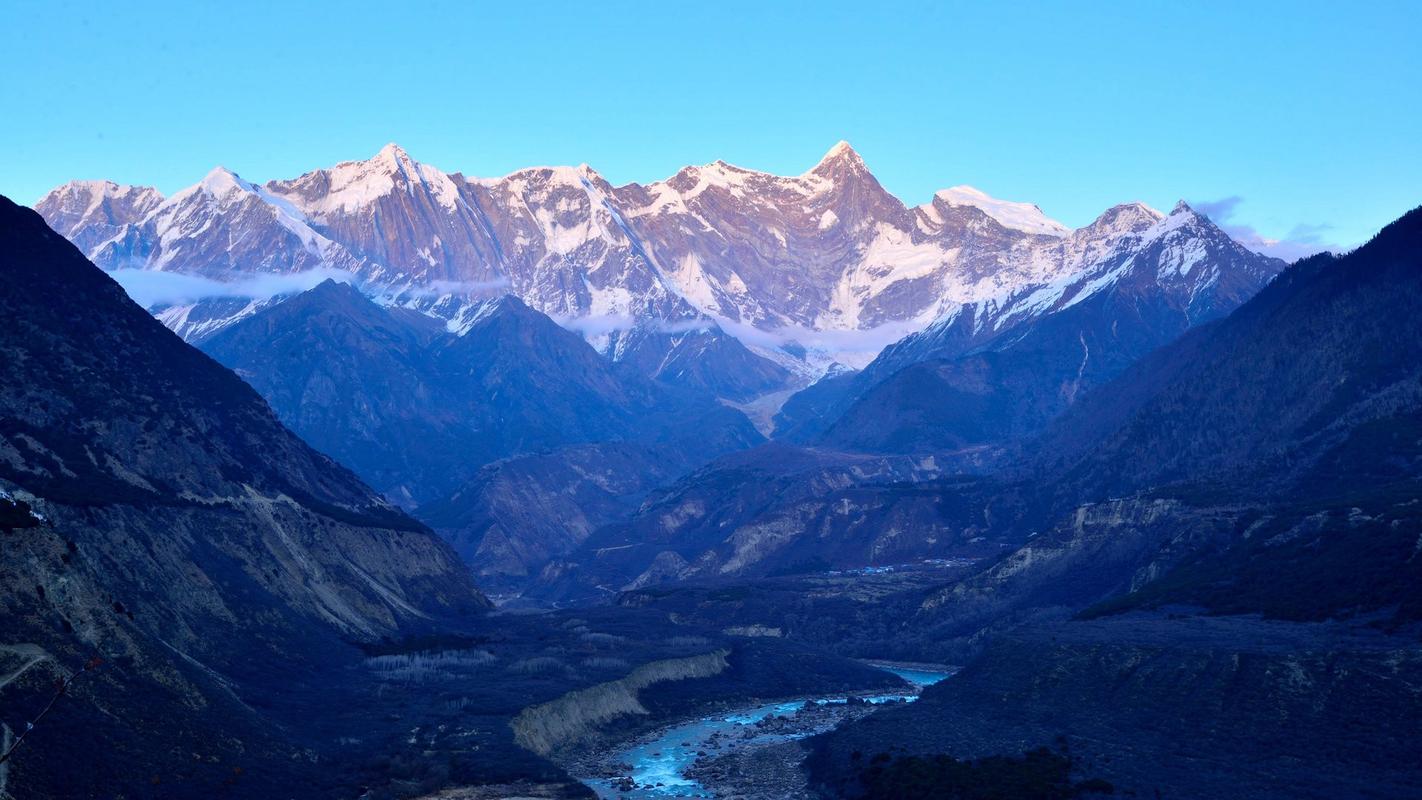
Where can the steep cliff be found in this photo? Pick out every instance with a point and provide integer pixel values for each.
(183, 537)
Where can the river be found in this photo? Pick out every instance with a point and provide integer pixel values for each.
(660, 763)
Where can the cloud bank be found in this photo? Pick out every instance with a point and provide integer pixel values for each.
(151, 288)
(1303, 240)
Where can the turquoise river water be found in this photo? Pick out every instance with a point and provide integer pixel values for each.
(664, 759)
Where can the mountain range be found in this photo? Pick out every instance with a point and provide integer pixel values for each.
(827, 261)
(1158, 493)
(465, 347)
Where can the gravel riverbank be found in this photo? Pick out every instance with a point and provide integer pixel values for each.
(752, 753)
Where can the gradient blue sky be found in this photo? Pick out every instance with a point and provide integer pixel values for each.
(1299, 119)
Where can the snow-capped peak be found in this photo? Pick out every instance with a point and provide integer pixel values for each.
(92, 212)
(1024, 217)
(222, 181)
(393, 158)
(1123, 218)
(83, 197)
(353, 185)
(393, 151)
(84, 189)
(1182, 216)
(839, 158)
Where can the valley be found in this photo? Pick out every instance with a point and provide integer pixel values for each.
(702, 758)
(539, 486)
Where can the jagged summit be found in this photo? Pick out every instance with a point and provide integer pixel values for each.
(841, 149)
(221, 181)
(506, 306)
(390, 156)
(1138, 207)
(393, 159)
(331, 299)
(93, 191)
(393, 151)
(1126, 216)
(90, 213)
(1183, 218)
(354, 187)
(839, 159)
(510, 304)
(332, 288)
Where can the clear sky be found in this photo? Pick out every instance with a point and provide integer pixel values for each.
(1299, 119)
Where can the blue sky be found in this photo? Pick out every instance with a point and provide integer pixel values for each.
(1295, 119)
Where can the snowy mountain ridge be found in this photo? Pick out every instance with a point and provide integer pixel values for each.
(827, 260)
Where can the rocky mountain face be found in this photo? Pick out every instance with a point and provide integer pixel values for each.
(1300, 412)
(364, 381)
(994, 372)
(814, 251)
(1244, 465)
(1313, 383)
(1300, 508)
(92, 213)
(701, 358)
(775, 510)
(518, 515)
(1264, 466)
(220, 228)
(177, 532)
(951, 395)
(829, 249)
(1256, 709)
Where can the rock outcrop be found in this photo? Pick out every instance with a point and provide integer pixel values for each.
(579, 715)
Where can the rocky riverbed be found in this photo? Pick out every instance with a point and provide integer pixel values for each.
(753, 752)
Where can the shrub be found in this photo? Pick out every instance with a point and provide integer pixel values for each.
(602, 639)
(606, 662)
(539, 665)
(416, 667)
(1040, 773)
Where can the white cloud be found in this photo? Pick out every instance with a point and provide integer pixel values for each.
(1303, 240)
(152, 288)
